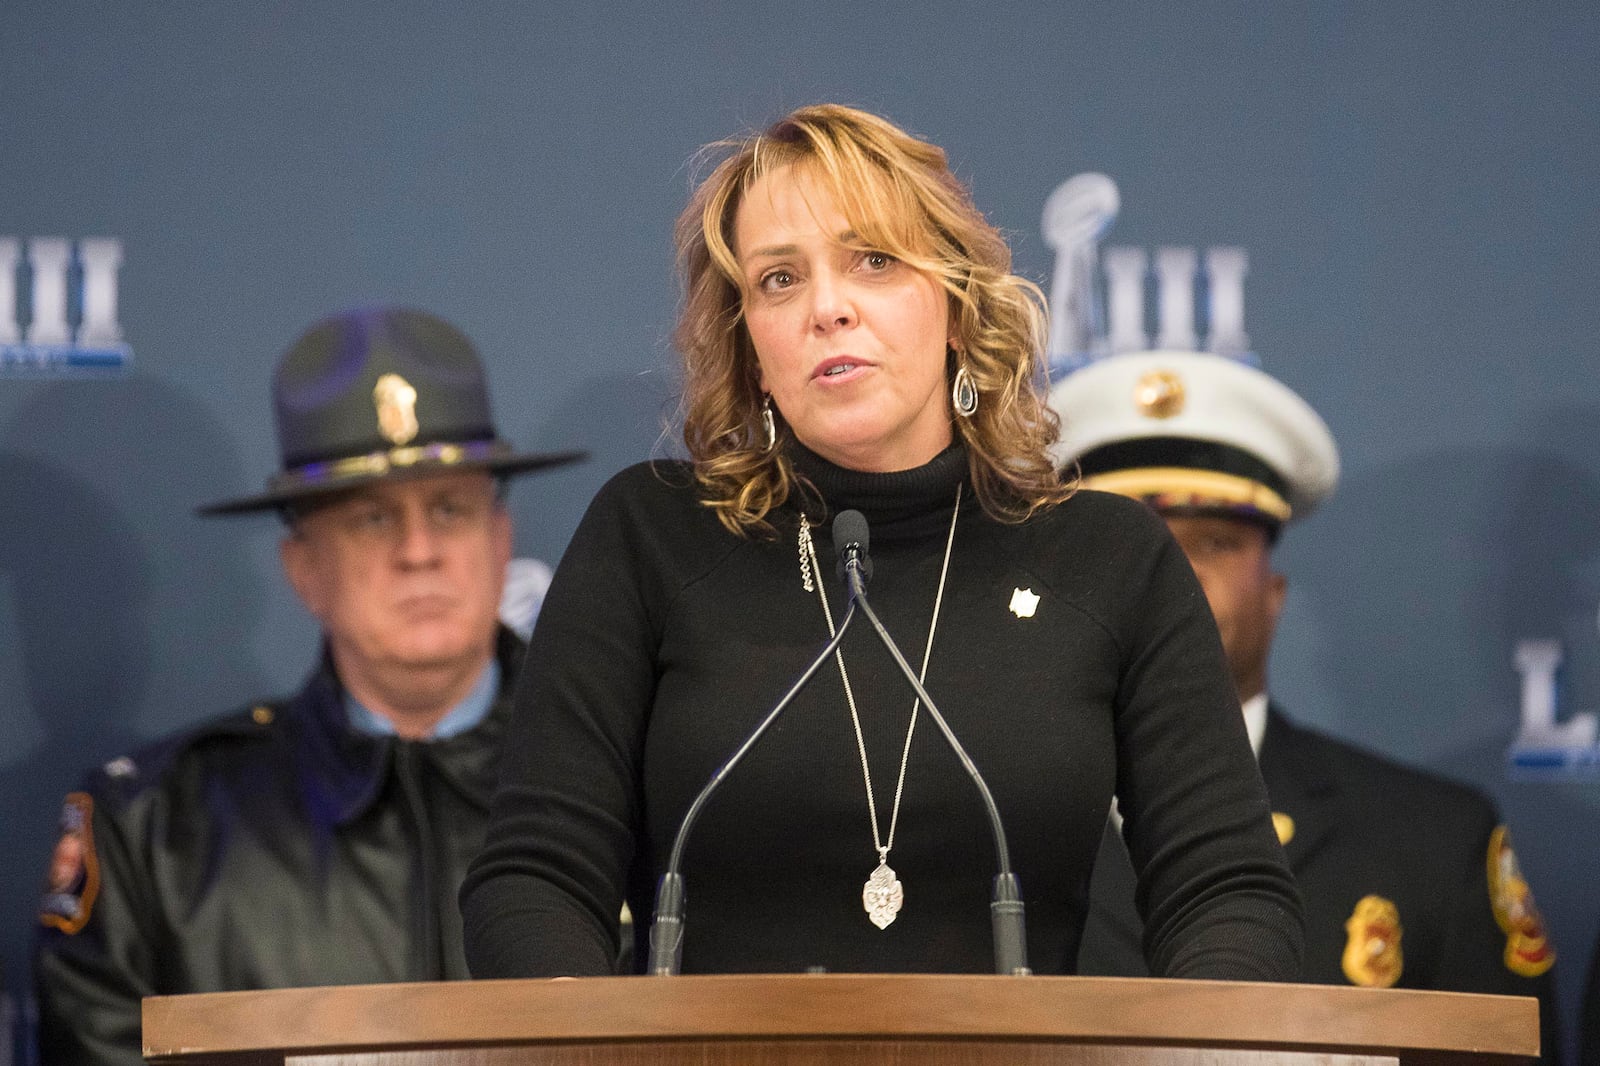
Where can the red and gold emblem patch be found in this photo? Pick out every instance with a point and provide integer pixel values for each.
(73, 880)
(1528, 948)
(1372, 956)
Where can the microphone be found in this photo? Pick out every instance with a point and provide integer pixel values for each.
(850, 539)
(1005, 907)
(666, 924)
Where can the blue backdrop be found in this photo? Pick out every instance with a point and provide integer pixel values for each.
(1415, 184)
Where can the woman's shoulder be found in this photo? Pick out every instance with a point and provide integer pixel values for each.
(650, 519)
(1097, 547)
(654, 483)
(657, 501)
(1088, 513)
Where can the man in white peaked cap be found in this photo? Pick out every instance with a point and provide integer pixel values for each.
(1408, 879)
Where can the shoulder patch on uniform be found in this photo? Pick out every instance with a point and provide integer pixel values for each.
(73, 880)
(1528, 948)
(1372, 955)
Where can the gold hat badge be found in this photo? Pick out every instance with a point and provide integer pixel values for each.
(396, 401)
(1159, 394)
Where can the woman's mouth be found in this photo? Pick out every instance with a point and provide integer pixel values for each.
(838, 367)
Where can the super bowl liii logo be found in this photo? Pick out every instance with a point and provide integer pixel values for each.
(68, 291)
(1098, 303)
(1546, 747)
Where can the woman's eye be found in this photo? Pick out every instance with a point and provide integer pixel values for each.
(774, 280)
(878, 260)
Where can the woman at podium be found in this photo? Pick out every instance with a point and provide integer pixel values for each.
(853, 339)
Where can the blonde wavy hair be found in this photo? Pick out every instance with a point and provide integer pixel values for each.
(899, 197)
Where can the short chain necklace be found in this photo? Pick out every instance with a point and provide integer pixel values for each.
(882, 895)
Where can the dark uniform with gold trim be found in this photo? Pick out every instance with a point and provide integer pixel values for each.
(283, 846)
(1407, 878)
(276, 847)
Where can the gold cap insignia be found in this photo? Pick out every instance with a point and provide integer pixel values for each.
(396, 402)
(1024, 602)
(1284, 825)
(1372, 956)
(1528, 948)
(1159, 394)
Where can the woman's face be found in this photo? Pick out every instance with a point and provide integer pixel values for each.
(851, 344)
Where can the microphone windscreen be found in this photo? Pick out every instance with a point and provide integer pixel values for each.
(850, 531)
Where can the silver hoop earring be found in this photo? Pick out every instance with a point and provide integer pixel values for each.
(768, 424)
(964, 394)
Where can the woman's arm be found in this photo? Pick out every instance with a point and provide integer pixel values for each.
(1217, 897)
(543, 897)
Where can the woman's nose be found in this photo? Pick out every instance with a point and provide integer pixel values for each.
(832, 307)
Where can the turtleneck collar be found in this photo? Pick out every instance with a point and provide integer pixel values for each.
(902, 503)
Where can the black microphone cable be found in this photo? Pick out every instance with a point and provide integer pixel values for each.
(666, 925)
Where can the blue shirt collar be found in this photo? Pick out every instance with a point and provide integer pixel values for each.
(462, 717)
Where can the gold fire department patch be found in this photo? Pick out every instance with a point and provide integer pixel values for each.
(1528, 948)
(1372, 956)
(73, 880)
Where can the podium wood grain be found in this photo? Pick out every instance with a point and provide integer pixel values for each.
(840, 1020)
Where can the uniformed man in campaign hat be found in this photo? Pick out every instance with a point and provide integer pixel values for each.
(318, 839)
(1409, 880)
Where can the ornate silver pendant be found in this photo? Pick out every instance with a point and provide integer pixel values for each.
(882, 896)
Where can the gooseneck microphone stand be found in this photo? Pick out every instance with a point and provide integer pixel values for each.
(666, 925)
(1005, 906)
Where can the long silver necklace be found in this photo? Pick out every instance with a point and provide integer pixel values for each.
(882, 895)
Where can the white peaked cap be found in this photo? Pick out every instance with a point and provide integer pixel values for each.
(1195, 430)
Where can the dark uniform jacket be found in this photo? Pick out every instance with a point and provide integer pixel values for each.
(277, 847)
(1408, 879)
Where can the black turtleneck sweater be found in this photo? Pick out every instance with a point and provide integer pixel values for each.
(665, 639)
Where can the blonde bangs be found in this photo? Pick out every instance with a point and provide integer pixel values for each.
(900, 198)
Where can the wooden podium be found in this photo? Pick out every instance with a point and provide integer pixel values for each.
(840, 1020)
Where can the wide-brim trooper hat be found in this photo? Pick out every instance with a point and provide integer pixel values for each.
(381, 393)
(1190, 431)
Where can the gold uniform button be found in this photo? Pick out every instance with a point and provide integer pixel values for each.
(1284, 825)
(261, 715)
